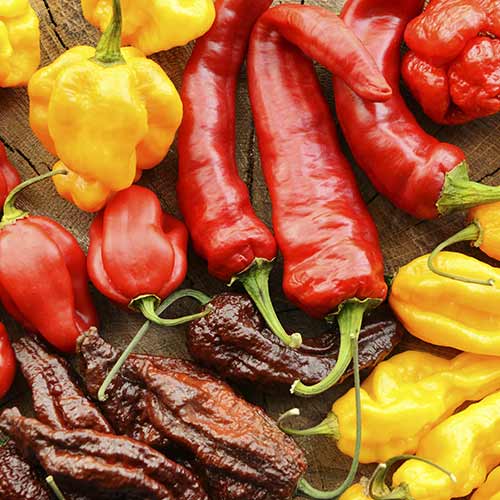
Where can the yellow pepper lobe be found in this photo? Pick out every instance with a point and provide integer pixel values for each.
(154, 25)
(490, 490)
(448, 312)
(488, 218)
(355, 492)
(466, 444)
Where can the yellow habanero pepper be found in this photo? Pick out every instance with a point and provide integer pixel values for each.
(450, 312)
(155, 25)
(19, 42)
(490, 490)
(107, 113)
(467, 444)
(356, 492)
(403, 399)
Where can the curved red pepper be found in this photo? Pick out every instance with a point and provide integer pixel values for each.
(419, 174)
(43, 275)
(9, 176)
(7, 362)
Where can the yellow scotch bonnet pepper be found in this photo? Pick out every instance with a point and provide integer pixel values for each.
(19, 42)
(490, 490)
(155, 25)
(107, 113)
(445, 310)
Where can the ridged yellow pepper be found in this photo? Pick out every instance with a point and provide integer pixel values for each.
(356, 492)
(19, 42)
(467, 444)
(447, 311)
(154, 25)
(490, 490)
(107, 113)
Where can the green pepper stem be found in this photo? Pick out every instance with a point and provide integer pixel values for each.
(10, 212)
(304, 486)
(195, 294)
(108, 50)
(256, 282)
(3, 440)
(378, 489)
(473, 232)
(328, 427)
(460, 193)
(53, 486)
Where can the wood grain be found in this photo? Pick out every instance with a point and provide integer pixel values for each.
(402, 237)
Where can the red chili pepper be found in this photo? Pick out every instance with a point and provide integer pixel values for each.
(43, 276)
(419, 174)
(213, 199)
(7, 362)
(9, 176)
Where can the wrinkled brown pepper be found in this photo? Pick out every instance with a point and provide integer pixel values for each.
(241, 451)
(234, 341)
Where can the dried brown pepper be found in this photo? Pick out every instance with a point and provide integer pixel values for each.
(235, 341)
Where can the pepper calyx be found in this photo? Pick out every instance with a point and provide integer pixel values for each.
(328, 427)
(108, 51)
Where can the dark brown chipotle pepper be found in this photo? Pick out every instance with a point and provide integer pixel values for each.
(234, 341)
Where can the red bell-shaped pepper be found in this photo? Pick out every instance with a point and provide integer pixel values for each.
(9, 176)
(7, 362)
(43, 275)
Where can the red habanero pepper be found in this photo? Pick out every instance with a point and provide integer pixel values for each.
(415, 171)
(9, 176)
(213, 199)
(7, 362)
(43, 275)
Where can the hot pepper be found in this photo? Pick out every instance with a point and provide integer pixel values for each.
(9, 176)
(490, 490)
(106, 113)
(450, 312)
(19, 43)
(426, 177)
(152, 27)
(43, 276)
(7, 362)
(450, 69)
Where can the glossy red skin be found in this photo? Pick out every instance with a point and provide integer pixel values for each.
(9, 176)
(135, 248)
(404, 163)
(324, 230)
(43, 281)
(213, 199)
(7, 362)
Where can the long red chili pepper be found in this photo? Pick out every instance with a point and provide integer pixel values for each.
(416, 172)
(9, 176)
(7, 362)
(213, 199)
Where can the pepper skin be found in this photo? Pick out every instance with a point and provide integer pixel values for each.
(154, 26)
(466, 444)
(415, 171)
(450, 312)
(43, 275)
(19, 43)
(104, 133)
(490, 490)
(9, 176)
(7, 362)
(355, 492)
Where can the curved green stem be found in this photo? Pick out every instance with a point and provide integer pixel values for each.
(304, 486)
(10, 212)
(3, 440)
(53, 486)
(473, 232)
(256, 282)
(328, 427)
(108, 50)
(195, 294)
(460, 193)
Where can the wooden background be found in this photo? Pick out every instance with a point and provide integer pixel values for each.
(402, 237)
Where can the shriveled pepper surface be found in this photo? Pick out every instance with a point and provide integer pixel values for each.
(402, 237)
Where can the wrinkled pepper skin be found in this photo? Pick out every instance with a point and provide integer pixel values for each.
(154, 26)
(7, 362)
(9, 176)
(448, 312)
(136, 249)
(490, 490)
(105, 123)
(451, 71)
(407, 396)
(19, 43)
(466, 444)
(324, 231)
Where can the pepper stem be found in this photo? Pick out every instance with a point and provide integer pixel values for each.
(53, 486)
(328, 427)
(256, 282)
(473, 232)
(195, 294)
(10, 212)
(3, 440)
(460, 193)
(108, 50)
(378, 489)
(304, 486)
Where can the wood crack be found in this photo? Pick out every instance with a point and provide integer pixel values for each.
(20, 153)
(53, 21)
(491, 174)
